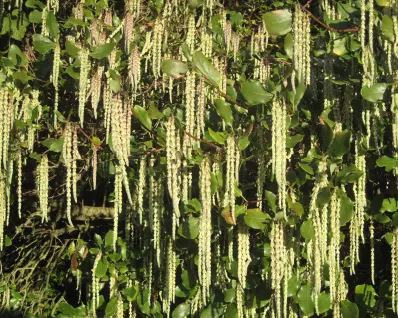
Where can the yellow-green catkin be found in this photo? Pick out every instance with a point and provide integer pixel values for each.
(279, 157)
(334, 246)
(118, 201)
(278, 258)
(141, 187)
(6, 124)
(244, 260)
(68, 158)
(3, 208)
(170, 288)
(301, 46)
(205, 231)
(173, 169)
(95, 284)
(158, 33)
(372, 250)
(96, 87)
(19, 187)
(394, 266)
(55, 78)
(42, 187)
(75, 156)
(83, 81)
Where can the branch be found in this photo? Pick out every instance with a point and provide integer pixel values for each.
(200, 140)
(307, 5)
(355, 29)
(87, 136)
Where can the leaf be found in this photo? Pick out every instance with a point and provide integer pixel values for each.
(306, 167)
(374, 93)
(101, 268)
(52, 24)
(387, 28)
(189, 228)
(346, 208)
(365, 295)
(229, 295)
(16, 56)
(35, 16)
(66, 309)
(42, 44)
(130, 293)
(293, 285)
(71, 48)
(305, 300)
(206, 68)
(288, 45)
(349, 174)
(387, 162)
(7, 241)
(341, 144)
(224, 110)
(142, 116)
(307, 230)
(111, 307)
(174, 68)
(323, 197)
(181, 311)
(278, 22)
(254, 93)
(339, 46)
(349, 309)
(109, 239)
(271, 200)
(389, 205)
(255, 219)
(218, 137)
(243, 142)
(227, 215)
(292, 141)
(102, 50)
(323, 302)
(57, 145)
(326, 136)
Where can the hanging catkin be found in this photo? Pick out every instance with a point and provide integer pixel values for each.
(68, 158)
(83, 81)
(42, 187)
(394, 274)
(205, 231)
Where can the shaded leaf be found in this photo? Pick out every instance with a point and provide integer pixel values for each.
(206, 68)
(255, 219)
(174, 68)
(142, 115)
(305, 300)
(387, 162)
(374, 93)
(349, 309)
(254, 93)
(224, 110)
(42, 44)
(102, 50)
(278, 22)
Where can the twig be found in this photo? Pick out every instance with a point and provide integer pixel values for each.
(307, 4)
(87, 136)
(200, 140)
(355, 29)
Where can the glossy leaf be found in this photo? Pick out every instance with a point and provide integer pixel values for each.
(278, 22)
(254, 93)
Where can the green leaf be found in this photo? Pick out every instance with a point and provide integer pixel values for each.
(52, 24)
(57, 145)
(292, 141)
(229, 295)
(181, 311)
(346, 208)
(293, 285)
(307, 230)
(305, 300)
(206, 68)
(387, 162)
(271, 200)
(341, 144)
(111, 307)
(365, 295)
(255, 219)
(243, 142)
(34, 4)
(66, 309)
(278, 22)
(339, 46)
(349, 174)
(326, 136)
(71, 48)
(389, 205)
(130, 293)
(323, 197)
(174, 68)
(101, 268)
(109, 239)
(306, 167)
(218, 137)
(254, 93)
(102, 50)
(323, 302)
(16, 56)
(42, 44)
(35, 16)
(142, 115)
(224, 110)
(382, 218)
(374, 93)
(387, 28)
(189, 228)
(349, 309)
(288, 45)
(7, 241)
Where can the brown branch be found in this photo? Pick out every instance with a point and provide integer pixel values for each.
(200, 140)
(307, 5)
(355, 29)
(87, 136)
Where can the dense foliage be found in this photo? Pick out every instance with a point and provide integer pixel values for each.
(199, 158)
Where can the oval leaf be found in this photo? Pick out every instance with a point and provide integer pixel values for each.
(206, 68)
(174, 68)
(254, 93)
(374, 93)
(278, 22)
(142, 116)
(224, 110)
